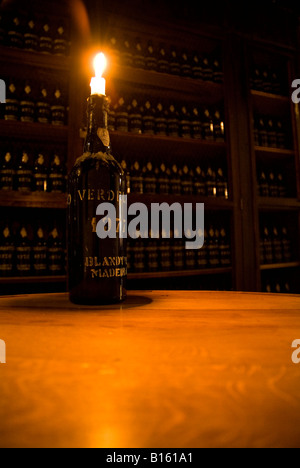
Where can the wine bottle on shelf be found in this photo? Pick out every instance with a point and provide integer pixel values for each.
(14, 36)
(202, 254)
(127, 175)
(45, 45)
(40, 174)
(57, 175)
(152, 254)
(173, 122)
(207, 68)
(39, 252)
(281, 184)
(7, 171)
(280, 135)
(23, 253)
(31, 39)
(196, 124)
(262, 132)
(24, 173)
(150, 58)
(174, 61)
(217, 74)
(43, 106)
(207, 125)
(55, 254)
(165, 257)
(126, 52)
(160, 120)
(225, 250)
(271, 131)
(219, 126)
(200, 182)
(148, 118)
(58, 108)
(221, 184)
(190, 255)
(268, 246)
(187, 181)
(114, 46)
(135, 117)
(263, 184)
(211, 183)
(213, 247)
(272, 182)
(185, 67)
(163, 186)
(184, 122)
(60, 40)
(163, 61)
(197, 69)
(175, 181)
(27, 104)
(149, 179)
(12, 105)
(121, 112)
(138, 54)
(136, 178)
(97, 265)
(178, 252)
(7, 251)
(139, 255)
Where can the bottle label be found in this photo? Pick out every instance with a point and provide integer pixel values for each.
(107, 267)
(103, 135)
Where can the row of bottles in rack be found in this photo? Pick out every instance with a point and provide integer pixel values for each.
(26, 171)
(29, 101)
(275, 245)
(152, 178)
(155, 255)
(31, 251)
(162, 118)
(272, 132)
(158, 56)
(34, 32)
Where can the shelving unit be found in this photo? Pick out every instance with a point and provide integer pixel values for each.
(226, 30)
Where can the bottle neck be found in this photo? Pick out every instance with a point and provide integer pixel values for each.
(97, 139)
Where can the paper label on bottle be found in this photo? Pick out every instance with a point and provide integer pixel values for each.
(103, 135)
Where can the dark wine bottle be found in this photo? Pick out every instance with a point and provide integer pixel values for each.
(39, 252)
(55, 254)
(23, 253)
(31, 39)
(12, 106)
(43, 106)
(40, 176)
(24, 173)
(60, 42)
(46, 39)
(7, 171)
(97, 266)
(57, 177)
(7, 251)
(14, 37)
(58, 109)
(138, 54)
(27, 104)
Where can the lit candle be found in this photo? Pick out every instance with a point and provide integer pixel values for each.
(98, 82)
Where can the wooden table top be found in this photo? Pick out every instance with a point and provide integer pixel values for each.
(163, 370)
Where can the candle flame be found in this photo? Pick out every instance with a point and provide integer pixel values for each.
(100, 63)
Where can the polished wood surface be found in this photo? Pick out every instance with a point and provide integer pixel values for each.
(162, 370)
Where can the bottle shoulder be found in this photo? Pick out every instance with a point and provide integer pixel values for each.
(97, 161)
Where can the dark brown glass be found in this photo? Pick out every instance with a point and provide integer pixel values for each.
(97, 268)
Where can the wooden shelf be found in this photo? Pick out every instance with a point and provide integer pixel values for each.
(179, 274)
(210, 203)
(275, 204)
(152, 146)
(12, 56)
(194, 90)
(26, 131)
(280, 266)
(274, 152)
(16, 199)
(33, 280)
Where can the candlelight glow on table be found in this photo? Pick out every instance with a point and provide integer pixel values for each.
(98, 82)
